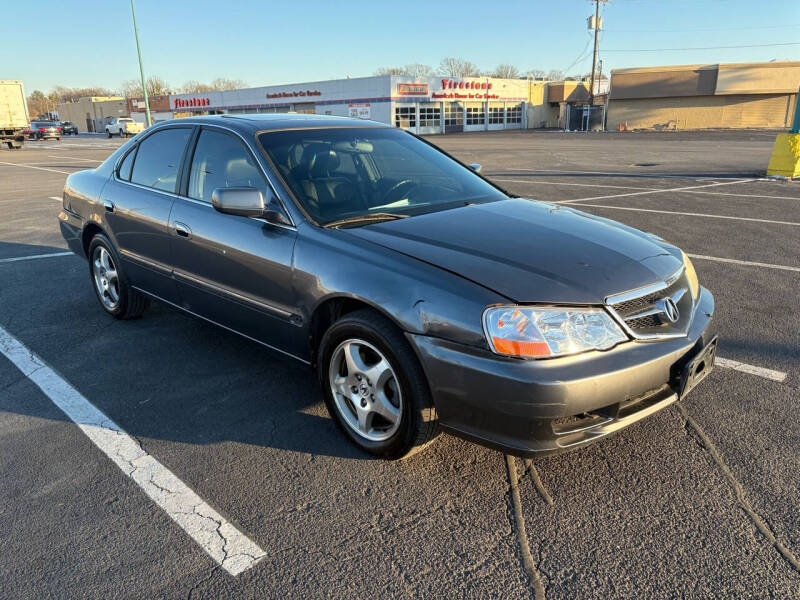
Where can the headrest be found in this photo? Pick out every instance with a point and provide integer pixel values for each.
(322, 162)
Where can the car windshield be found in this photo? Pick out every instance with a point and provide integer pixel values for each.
(374, 173)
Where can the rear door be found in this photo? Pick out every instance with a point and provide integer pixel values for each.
(236, 271)
(137, 203)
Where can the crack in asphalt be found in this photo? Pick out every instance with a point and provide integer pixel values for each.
(759, 522)
(518, 527)
(533, 473)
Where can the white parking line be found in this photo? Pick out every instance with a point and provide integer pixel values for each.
(633, 187)
(34, 167)
(627, 174)
(727, 363)
(743, 195)
(689, 214)
(656, 191)
(234, 551)
(74, 158)
(592, 185)
(35, 256)
(746, 263)
(56, 198)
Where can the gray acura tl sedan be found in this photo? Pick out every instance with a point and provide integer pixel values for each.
(424, 296)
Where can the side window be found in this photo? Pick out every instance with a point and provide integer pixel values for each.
(159, 158)
(221, 161)
(126, 166)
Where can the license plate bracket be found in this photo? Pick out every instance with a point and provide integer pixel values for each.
(699, 367)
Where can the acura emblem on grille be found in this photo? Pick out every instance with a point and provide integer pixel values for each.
(668, 307)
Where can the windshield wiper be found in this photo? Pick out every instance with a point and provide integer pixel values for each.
(369, 218)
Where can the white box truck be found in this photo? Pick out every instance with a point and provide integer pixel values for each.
(13, 113)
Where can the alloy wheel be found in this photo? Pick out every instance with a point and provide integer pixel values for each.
(106, 279)
(365, 390)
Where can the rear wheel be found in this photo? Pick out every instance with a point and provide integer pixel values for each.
(111, 287)
(108, 131)
(374, 386)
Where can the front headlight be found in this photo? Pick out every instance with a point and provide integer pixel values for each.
(531, 332)
(691, 276)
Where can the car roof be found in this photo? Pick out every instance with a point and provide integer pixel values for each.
(277, 121)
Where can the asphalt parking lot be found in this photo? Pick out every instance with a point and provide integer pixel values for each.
(700, 500)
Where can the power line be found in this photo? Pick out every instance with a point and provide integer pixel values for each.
(701, 47)
(702, 29)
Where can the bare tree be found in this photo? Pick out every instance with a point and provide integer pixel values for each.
(555, 75)
(419, 70)
(535, 73)
(458, 67)
(39, 104)
(220, 83)
(392, 71)
(132, 88)
(505, 71)
(412, 70)
(67, 94)
(194, 87)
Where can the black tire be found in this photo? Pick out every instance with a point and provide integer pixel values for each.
(419, 423)
(131, 303)
(108, 131)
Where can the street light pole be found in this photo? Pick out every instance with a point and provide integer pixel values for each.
(141, 67)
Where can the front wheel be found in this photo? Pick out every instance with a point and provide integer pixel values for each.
(108, 131)
(374, 386)
(111, 287)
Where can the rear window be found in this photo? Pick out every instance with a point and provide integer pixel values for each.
(159, 158)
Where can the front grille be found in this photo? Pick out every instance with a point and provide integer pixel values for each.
(644, 316)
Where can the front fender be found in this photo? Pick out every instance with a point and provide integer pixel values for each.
(418, 297)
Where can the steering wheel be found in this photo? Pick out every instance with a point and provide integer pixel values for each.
(399, 185)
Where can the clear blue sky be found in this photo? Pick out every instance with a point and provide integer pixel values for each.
(90, 42)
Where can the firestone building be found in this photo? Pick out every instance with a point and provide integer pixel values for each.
(424, 105)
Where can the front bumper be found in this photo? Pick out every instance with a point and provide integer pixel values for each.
(531, 407)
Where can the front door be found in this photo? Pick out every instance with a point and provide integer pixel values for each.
(236, 271)
(138, 200)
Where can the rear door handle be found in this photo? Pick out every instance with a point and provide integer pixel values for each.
(182, 229)
(109, 206)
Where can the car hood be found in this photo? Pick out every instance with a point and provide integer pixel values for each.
(531, 251)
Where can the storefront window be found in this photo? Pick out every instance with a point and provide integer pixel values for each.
(514, 114)
(429, 116)
(405, 116)
(476, 115)
(453, 115)
(496, 114)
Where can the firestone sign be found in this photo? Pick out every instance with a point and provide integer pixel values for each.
(191, 102)
(451, 84)
(464, 90)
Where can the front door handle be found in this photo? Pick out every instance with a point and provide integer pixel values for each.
(109, 206)
(182, 229)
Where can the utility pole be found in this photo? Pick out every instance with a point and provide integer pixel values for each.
(596, 40)
(141, 68)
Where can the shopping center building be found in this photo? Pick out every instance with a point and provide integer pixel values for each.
(422, 105)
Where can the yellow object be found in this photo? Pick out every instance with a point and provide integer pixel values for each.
(785, 159)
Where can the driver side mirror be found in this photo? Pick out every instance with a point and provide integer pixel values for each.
(475, 167)
(246, 202)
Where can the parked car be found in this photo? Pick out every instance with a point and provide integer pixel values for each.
(45, 130)
(124, 127)
(69, 128)
(424, 295)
